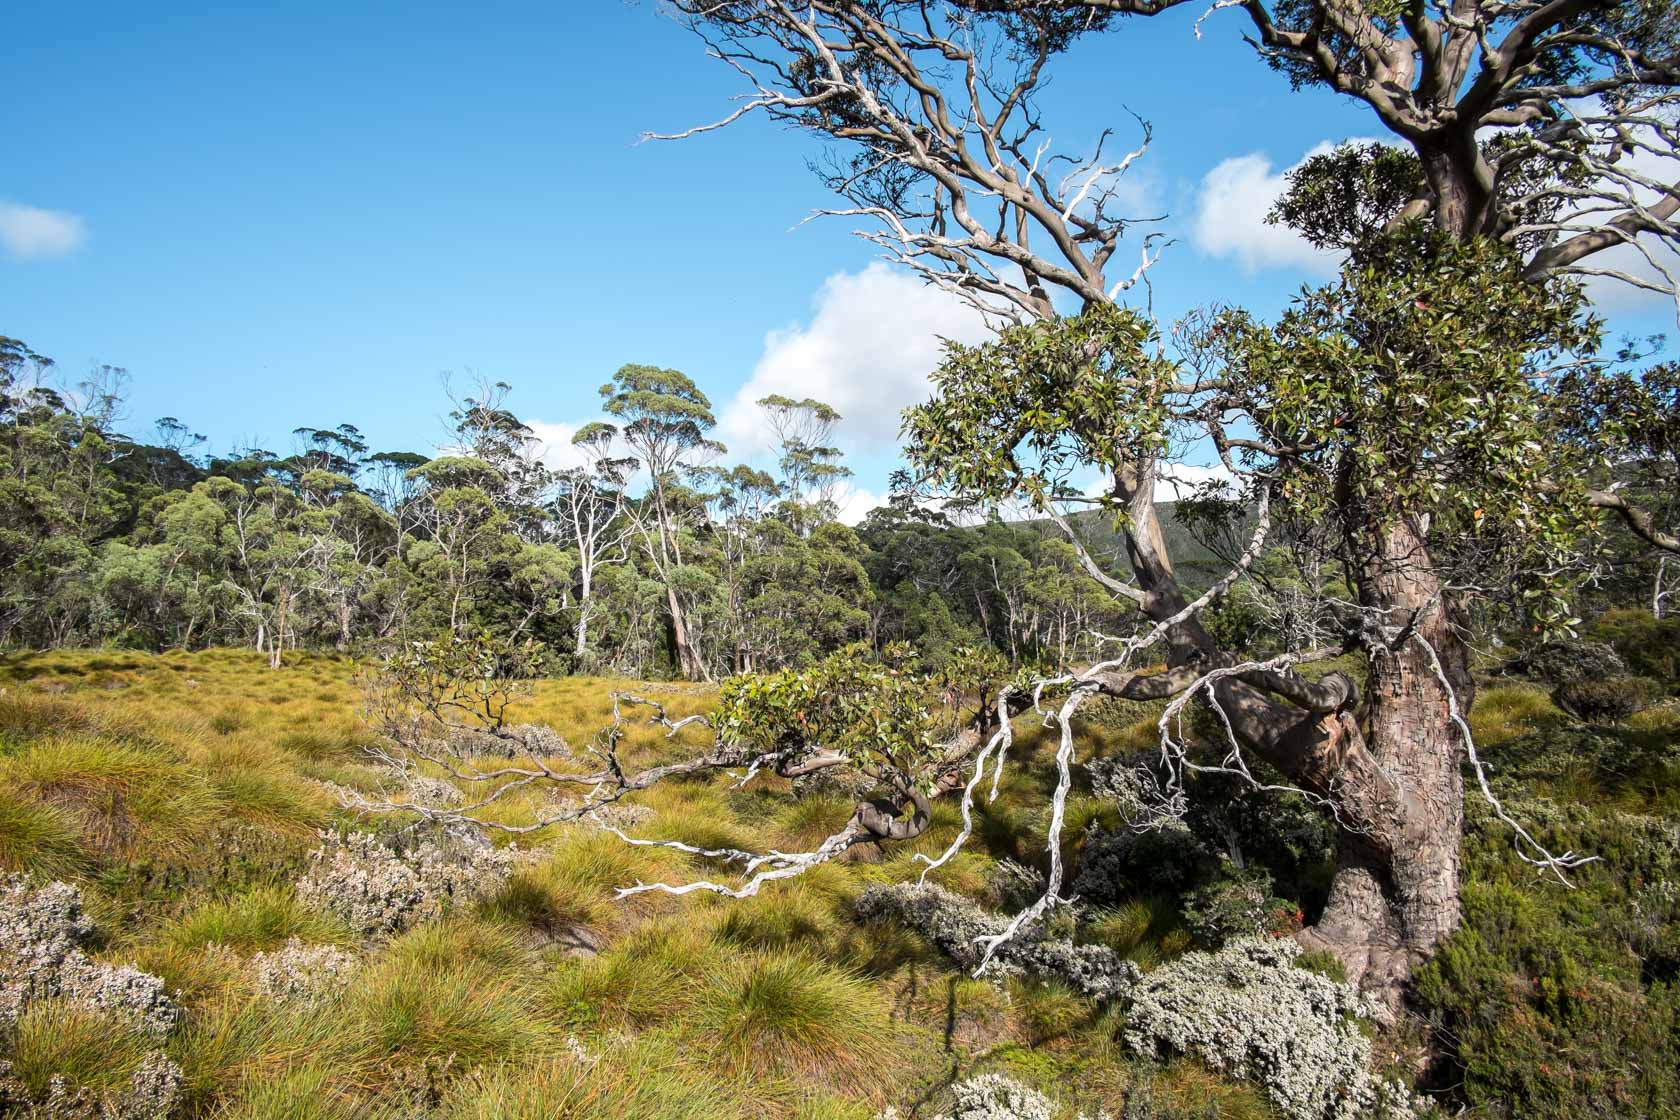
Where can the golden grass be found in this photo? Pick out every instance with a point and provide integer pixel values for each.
(182, 791)
(1508, 711)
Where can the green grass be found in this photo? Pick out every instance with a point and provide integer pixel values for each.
(1507, 711)
(263, 918)
(88, 1050)
(182, 792)
(38, 839)
(790, 1013)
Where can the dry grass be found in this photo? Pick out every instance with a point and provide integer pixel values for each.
(182, 792)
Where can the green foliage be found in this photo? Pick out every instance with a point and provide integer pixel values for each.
(1236, 904)
(1606, 699)
(1568, 661)
(1018, 416)
(1544, 1020)
(1649, 646)
(882, 712)
(1346, 198)
(1410, 386)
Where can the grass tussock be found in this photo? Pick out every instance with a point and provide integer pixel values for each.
(260, 919)
(52, 1039)
(182, 792)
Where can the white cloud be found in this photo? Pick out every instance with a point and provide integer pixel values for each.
(855, 503)
(1231, 210)
(869, 346)
(557, 451)
(28, 231)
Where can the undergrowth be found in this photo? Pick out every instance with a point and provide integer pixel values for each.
(183, 794)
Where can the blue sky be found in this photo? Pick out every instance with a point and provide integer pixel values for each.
(277, 215)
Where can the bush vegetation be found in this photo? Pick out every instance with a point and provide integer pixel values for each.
(187, 813)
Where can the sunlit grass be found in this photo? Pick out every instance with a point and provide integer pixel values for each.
(90, 1051)
(1511, 710)
(260, 919)
(182, 791)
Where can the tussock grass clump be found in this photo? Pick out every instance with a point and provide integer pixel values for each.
(412, 1012)
(1509, 711)
(1146, 930)
(38, 839)
(791, 1014)
(89, 1050)
(305, 1092)
(121, 797)
(576, 881)
(460, 940)
(801, 914)
(646, 1078)
(262, 918)
(647, 979)
(242, 1040)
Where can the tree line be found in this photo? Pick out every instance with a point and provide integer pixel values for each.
(655, 556)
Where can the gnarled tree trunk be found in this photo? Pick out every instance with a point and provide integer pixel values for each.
(1396, 892)
(1394, 784)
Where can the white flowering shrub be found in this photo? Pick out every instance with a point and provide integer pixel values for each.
(993, 1096)
(954, 924)
(302, 973)
(1248, 1012)
(1125, 784)
(152, 1092)
(423, 790)
(42, 930)
(378, 889)
(609, 814)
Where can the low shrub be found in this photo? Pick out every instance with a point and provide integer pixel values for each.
(1546, 1014)
(1238, 904)
(1564, 661)
(1606, 699)
(1247, 1011)
(299, 972)
(378, 888)
(42, 934)
(956, 926)
(1113, 866)
(1650, 646)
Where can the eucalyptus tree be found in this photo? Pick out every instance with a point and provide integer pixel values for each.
(60, 493)
(465, 539)
(1400, 406)
(809, 461)
(351, 538)
(1629, 429)
(483, 427)
(664, 420)
(588, 510)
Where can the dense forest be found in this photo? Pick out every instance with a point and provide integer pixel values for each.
(714, 568)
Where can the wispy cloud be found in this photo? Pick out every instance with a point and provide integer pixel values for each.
(28, 232)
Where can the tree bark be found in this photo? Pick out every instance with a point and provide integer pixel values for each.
(1400, 790)
(1395, 786)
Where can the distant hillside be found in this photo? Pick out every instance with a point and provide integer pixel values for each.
(1198, 566)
